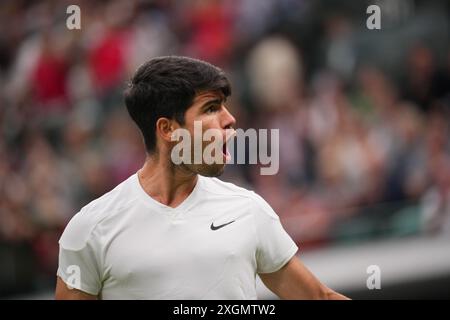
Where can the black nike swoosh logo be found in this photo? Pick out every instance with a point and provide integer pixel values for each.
(213, 227)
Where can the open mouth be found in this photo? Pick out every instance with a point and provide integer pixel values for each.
(224, 148)
(225, 152)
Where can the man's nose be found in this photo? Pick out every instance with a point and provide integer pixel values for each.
(228, 121)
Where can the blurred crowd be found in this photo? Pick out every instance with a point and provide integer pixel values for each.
(364, 144)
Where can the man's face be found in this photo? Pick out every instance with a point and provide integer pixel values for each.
(208, 110)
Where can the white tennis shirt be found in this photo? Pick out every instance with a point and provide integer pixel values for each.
(126, 245)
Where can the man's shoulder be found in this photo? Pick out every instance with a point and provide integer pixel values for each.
(220, 187)
(112, 201)
(217, 186)
(114, 198)
(82, 224)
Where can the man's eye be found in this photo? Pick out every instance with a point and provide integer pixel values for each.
(213, 108)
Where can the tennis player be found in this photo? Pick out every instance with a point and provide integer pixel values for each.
(174, 231)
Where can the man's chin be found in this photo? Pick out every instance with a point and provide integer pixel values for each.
(213, 170)
(207, 170)
(213, 174)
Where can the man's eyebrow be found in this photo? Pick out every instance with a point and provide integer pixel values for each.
(212, 101)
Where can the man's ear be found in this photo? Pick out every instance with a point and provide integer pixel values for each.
(165, 127)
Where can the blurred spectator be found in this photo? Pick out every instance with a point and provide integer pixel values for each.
(425, 83)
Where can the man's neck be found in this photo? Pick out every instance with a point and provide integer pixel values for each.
(167, 184)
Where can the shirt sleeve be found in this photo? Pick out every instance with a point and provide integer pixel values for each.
(275, 246)
(78, 263)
